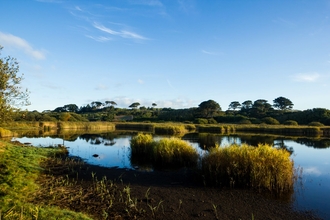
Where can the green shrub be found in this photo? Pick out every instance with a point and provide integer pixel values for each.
(245, 121)
(316, 124)
(201, 121)
(291, 122)
(270, 121)
(212, 121)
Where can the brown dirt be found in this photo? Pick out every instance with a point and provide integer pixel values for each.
(154, 195)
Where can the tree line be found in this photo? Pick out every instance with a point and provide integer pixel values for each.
(13, 97)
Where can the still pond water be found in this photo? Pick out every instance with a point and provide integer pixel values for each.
(312, 191)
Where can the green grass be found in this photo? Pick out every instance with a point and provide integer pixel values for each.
(262, 167)
(19, 169)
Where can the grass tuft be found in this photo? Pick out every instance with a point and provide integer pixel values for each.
(262, 167)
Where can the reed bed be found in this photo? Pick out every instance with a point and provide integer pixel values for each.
(5, 133)
(170, 129)
(282, 129)
(108, 126)
(165, 153)
(262, 167)
(135, 126)
(219, 129)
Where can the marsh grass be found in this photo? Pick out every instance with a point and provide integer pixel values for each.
(19, 169)
(219, 129)
(165, 153)
(170, 129)
(108, 126)
(262, 167)
(5, 133)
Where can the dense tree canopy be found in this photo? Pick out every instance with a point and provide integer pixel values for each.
(134, 105)
(235, 105)
(209, 108)
(282, 103)
(12, 97)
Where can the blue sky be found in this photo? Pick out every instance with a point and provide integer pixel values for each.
(175, 53)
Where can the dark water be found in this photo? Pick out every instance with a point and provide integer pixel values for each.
(312, 191)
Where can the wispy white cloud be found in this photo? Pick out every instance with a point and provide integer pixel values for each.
(124, 102)
(101, 87)
(50, 1)
(306, 77)
(121, 33)
(10, 40)
(140, 81)
(187, 5)
(169, 83)
(100, 38)
(147, 2)
(209, 52)
(283, 21)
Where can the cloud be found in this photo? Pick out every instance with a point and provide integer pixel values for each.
(121, 33)
(50, 1)
(140, 81)
(100, 38)
(209, 53)
(147, 2)
(169, 83)
(14, 41)
(306, 77)
(283, 21)
(101, 87)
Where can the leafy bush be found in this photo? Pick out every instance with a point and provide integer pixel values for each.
(316, 124)
(201, 121)
(212, 121)
(290, 122)
(270, 121)
(245, 121)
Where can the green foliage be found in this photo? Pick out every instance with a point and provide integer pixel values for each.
(19, 169)
(209, 109)
(11, 95)
(282, 103)
(270, 121)
(235, 105)
(316, 124)
(245, 121)
(201, 121)
(212, 121)
(291, 122)
(262, 167)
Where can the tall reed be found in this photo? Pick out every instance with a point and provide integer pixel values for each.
(262, 167)
(164, 153)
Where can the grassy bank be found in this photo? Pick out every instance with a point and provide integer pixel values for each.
(19, 170)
